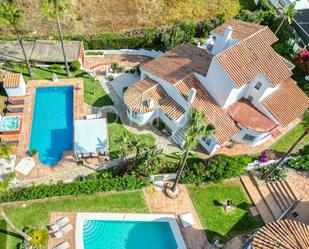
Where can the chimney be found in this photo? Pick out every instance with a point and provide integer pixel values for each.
(150, 103)
(191, 95)
(221, 41)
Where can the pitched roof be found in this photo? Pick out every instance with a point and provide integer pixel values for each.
(287, 103)
(241, 29)
(254, 56)
(138, 94)
(242, 109)
(179, 62)
(288, 234)
(216, 115)
(11, 80)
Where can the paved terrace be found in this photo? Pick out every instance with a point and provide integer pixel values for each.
(67, 161)
(158, 202)
(128, 61)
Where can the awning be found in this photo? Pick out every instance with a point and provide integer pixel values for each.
(90, 136)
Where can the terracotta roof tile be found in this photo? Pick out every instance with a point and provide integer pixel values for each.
(11, 80)
(179, 62)
(241, 29)
(242, 109)
(287, 103)
(252, 57)
(216, 115)
(137, 95)
(288, 234)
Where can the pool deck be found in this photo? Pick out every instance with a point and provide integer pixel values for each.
(25, 134)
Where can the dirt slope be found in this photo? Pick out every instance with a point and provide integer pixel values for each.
(96, 16)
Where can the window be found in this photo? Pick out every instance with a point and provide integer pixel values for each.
(207, 141)
(258, 85)
(250, 98)
(134, 114)
(248, 137)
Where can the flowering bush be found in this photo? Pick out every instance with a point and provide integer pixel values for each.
(267, 155)
(303, 59)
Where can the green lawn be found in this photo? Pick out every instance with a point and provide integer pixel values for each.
(93, 92)
(38, 214)
(116, 129)
(287, 141)
(216, 222)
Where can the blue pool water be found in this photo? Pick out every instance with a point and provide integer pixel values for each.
(104, 234)
(52, 124)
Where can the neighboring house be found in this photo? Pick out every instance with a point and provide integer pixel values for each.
(14, 84)
(243, 86)
(300, 20)
(41, 51)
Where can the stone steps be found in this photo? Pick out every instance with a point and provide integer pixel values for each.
(179, 137)
(272, 199)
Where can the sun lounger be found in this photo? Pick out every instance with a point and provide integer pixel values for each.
(15, 110)
(60, 223)
(186, 220)
(64, 245)
(63, 231)
(16, 101)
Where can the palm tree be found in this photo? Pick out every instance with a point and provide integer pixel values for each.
(5, 151)
(13, 227)
(12, 14)
(305, 123)
(54, 8)
(125, 141)
(287, 14)
(195, 129)
(39, 238)
(138, 145)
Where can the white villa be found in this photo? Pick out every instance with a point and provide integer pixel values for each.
(243, 86)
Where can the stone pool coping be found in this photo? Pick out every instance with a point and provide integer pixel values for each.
(171, 219)
(27, 115)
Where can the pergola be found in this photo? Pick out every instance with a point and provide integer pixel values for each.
(90, 137)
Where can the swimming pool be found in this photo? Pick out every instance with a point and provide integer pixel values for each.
(52, 123)
(127, 231)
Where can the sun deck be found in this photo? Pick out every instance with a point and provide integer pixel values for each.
(27, 115)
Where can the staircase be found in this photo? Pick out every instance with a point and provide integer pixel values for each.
(271, 199)
(179, 137)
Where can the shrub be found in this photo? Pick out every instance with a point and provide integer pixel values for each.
(75, 65)
(114, 66)
(124, 89)
(216, 168)
(110, 78)
(5, 183)
(267, 155)
(301, 162)
(120, 69)
(101, 182)
(279, 174)
(94, 53)
(56, 67)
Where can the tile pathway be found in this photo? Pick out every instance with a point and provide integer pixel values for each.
(158, 202)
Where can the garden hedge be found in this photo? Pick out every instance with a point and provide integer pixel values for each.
(89, 186)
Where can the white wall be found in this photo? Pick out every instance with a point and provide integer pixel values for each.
(220, 44)
(220, 85)
(213, 146)
(260, 137)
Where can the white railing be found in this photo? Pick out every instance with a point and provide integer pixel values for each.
(143, 52)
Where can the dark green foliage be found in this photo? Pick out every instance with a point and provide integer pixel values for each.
(103, 181)
(279, 174)
(216, 168)
(56, 67)
(75, 65)
(302, 161)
